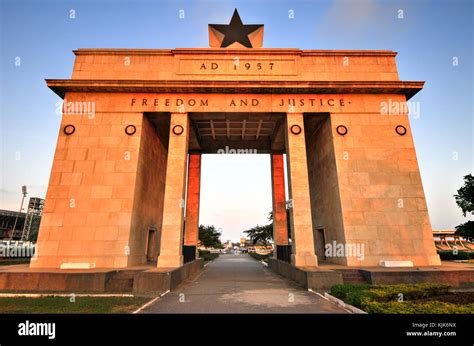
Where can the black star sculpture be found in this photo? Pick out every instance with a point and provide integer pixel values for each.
(235, 31)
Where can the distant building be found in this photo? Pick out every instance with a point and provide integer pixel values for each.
(257, 247)
(7, 221)
(228, 245)
(447, 240)
(27, 224)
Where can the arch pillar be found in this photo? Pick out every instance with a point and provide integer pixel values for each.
(175, 187)
(303, 253)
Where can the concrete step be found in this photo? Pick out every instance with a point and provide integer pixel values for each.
(352, 276)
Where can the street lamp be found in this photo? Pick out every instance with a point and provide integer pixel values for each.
(24, 193)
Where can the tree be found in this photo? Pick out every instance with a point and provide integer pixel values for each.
(264, 234)
(210, 236)
(465, 201)
(260, 234)
(466, 230)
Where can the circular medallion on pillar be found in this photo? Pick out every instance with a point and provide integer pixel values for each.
(178, 130)
(401, 130)
(69, 130)
(295, 129)
(341, 130)
(130, 130)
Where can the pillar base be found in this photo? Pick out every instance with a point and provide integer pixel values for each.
(169, 261)
(189, 253)
(283, 253)
(304, 260)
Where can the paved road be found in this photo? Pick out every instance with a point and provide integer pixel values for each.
(240, 284)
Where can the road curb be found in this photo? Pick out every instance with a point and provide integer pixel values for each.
(149, 302)
(344, 305)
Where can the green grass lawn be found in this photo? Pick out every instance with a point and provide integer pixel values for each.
(424, 298)
(63, 305)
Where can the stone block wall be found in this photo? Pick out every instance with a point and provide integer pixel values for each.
(274, 64)
(382, 198)
(89, 202)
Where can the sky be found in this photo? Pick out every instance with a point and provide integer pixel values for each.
(434, 41)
